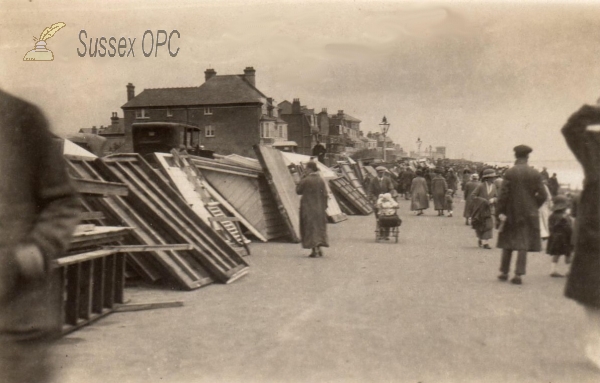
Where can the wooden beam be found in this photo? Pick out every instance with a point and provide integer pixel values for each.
(149, 248)
(147, 306)
(86, 186)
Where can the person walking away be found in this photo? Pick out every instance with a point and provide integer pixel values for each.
(452, 180)
(545, 211)
(517, 211)
(544, 174)
(438, 192)
(466, 177)
(553, 185)
(387, 214)
(469, 189)
(449, 203)
(319, 152)
(39, 210)
(583, 283)
(380, 185)
(428, 175)
(406, 181)
(313, 218)
(419, 194)
(561, 230)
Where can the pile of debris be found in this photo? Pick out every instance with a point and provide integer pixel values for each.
(187, 221)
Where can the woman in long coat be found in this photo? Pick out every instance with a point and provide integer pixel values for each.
(438, 192)
(419, 194)
(469, 188)
(313, 218)
(452, 180)
(481, 220)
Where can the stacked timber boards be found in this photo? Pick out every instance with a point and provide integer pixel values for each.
(246, 189)
(160, 216)
(350, 197)
(282, 186)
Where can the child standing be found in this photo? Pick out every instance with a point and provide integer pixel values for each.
(449, 201)
(560, 225)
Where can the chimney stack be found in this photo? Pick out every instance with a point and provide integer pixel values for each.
(130, 91)
(324, 110)
(209, 73)
(94, 130)
(114, 119)
(296, 108)
(250, 75)
(340, 113)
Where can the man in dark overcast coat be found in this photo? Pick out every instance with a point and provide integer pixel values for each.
(521, 196)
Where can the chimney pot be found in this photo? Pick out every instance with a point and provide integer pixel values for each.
(250, 75)
(296, 108)
(209, 73)
(130, 91)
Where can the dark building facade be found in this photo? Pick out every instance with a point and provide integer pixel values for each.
(231, 112)
(302, 125)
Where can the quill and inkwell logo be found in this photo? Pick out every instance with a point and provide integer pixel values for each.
(41, 52)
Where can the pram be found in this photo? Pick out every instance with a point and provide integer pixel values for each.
(391, 222)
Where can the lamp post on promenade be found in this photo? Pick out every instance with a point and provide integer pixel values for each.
(385, 126)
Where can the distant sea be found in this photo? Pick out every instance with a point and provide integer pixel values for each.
(568, 172)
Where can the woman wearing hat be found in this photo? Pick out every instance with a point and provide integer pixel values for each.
(469, 188)
(419, 194)
(438, 192)
(313, 203)
(483, 200)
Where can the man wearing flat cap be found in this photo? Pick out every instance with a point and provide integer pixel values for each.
(521, 196)
(381, 184)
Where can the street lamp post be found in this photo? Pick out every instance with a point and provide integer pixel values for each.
(385, 126)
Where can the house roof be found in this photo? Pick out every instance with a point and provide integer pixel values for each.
(218, 90)
(345, 116)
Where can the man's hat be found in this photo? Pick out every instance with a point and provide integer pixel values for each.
(474, 176)
(381, 169)
(560, 202)
(489, 173)
(522, 150)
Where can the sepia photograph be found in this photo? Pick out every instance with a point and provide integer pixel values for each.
(299, 191)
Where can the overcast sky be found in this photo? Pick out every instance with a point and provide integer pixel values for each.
(476, 77)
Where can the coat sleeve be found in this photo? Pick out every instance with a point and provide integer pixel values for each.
(300, 186)
(502, 205)
(583, 143)
(540, 195)
(56, 199)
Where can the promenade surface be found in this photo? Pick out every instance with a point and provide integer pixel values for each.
(427, 309)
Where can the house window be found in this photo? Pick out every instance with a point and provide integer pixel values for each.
(141, 113)
(280, 131)
(209, 131)
(207, 111)
(265, 130)
(169, 112)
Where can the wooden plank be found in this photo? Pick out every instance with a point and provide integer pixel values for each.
(73, 276)
(357, 200)
(78, 258)
(180, 266)
(98, 285)
(282, 187)
(147, 306)
(250, 219)
(191, 185)
(85, 303)
(156, 200)
(119, 292)
(148, 248)
(94, 187)
(349, 174)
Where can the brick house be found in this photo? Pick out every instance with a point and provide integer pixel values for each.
(232, 113)
(302, 123)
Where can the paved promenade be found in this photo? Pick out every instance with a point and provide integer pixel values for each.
(428, 309)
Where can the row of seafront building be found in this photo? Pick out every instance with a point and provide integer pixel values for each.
(234, 114)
